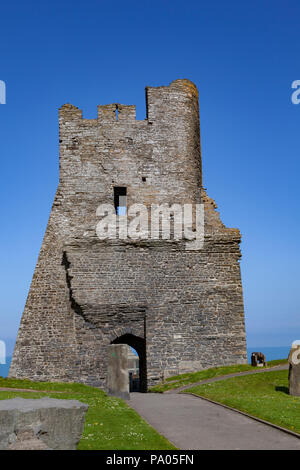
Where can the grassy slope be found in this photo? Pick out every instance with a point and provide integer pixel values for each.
(110, 423)
(177, 381)
(262, 395)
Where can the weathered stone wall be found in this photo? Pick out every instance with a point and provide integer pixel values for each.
(86, 293)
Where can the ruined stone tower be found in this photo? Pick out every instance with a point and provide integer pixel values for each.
(181, 310)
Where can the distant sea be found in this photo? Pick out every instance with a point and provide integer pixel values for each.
(4, 368)
(270, 352)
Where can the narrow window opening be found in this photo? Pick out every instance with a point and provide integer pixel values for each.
(117, 113)
(120, 200)
(144, 179)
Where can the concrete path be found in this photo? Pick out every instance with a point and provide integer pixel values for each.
(229, 376)
(193, 423)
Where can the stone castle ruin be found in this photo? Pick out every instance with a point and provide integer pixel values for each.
(180, 310)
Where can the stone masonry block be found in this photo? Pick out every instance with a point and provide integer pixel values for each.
(44, 423)
(118, 377)
(294, 369)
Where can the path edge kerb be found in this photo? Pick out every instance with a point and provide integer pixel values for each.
(224, 377)
(268, 423)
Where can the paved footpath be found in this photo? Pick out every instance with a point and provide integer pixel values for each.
(193, 423)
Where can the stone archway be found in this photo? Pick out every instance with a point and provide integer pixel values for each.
(139, 344)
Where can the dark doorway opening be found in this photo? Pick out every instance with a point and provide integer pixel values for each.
(139, 344)
(120, 200)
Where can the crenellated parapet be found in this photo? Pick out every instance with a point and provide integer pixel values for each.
(68, 112)
(162, 104)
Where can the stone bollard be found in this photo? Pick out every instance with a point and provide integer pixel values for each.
(40, 424)
(117, 372)
(294, 369)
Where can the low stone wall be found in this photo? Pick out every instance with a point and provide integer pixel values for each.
(38, 424)
(294, 369)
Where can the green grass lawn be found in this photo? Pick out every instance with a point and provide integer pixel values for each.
(177, 381)
(262, 395)
(110, 423)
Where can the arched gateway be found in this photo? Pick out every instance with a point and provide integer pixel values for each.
(139, 344)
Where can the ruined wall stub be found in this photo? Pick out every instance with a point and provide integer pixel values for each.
(117, 371)
(187, 306)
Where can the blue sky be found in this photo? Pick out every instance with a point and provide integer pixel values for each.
(243, 57)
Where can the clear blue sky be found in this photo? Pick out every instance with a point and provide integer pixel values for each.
(243, 57)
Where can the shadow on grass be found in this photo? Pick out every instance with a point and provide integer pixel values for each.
(282, 389)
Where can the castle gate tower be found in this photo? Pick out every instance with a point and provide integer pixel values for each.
(182, 310)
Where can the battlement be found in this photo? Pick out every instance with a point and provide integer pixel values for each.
(160, 101)
(107, 113)
(116, 112)
(162, 151)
